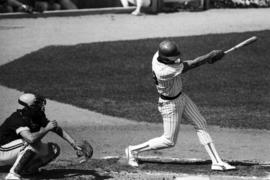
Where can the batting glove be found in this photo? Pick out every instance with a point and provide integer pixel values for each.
(215, 55)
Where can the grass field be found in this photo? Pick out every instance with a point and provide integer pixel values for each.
(115, 78)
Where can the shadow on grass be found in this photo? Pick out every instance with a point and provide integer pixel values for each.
(119, 83)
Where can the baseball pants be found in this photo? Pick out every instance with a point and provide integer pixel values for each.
(10, 151)
(13, 152)
(172, 113)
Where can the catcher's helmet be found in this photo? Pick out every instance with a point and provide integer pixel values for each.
(29, 100)
(169, 50)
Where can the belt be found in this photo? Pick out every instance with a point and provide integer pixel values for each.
(170, 98)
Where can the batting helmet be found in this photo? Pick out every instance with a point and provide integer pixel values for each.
(169, 50)
(29, 100)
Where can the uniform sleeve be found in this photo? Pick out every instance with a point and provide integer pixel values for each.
(18, 124)
(43, 120)
(171, 71)
(20, 129)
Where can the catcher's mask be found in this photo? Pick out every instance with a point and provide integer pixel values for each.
(32, 102)
(168, 52)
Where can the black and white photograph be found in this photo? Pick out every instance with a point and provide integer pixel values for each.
(135, 89)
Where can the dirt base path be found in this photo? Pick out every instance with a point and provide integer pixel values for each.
(21, 36)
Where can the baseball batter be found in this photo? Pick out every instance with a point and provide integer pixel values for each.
(21, 134)
(174, 104)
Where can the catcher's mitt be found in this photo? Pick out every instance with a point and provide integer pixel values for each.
(84, 151)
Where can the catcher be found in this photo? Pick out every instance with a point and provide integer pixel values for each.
(21, 135)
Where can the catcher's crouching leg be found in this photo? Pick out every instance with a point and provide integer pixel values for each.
(24, 157)
(53, 151)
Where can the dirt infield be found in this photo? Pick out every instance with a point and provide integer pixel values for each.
(116, 168)
(110, 135)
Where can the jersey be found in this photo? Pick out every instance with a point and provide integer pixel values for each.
(19, 121)
(167, 77)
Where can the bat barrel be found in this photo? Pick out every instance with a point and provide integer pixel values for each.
(243, 43)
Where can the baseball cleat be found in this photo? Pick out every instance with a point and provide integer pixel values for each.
(223, 166)
(13, 176)
(132, 161)
(136, 13)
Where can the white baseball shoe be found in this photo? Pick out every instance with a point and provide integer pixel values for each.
(137, 13)
(132, 161)
(13, 176)
(223, 166)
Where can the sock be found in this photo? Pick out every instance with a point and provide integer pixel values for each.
(211, 150)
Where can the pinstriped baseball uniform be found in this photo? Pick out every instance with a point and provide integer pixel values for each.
(169, 84)
(174, 105)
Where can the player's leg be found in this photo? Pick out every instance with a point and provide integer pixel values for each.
(171, 114)
(22, 158)
(10, 151)
(45, 153)
(139, 5)
(192, 114)
(31, 158)
(137, 11)
(125, 3)
(8, 155)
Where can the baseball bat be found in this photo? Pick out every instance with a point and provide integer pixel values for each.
(242, 44)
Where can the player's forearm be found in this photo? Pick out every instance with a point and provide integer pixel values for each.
(199, 61)
(190, 64)
(63, 134)
(36, 136)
